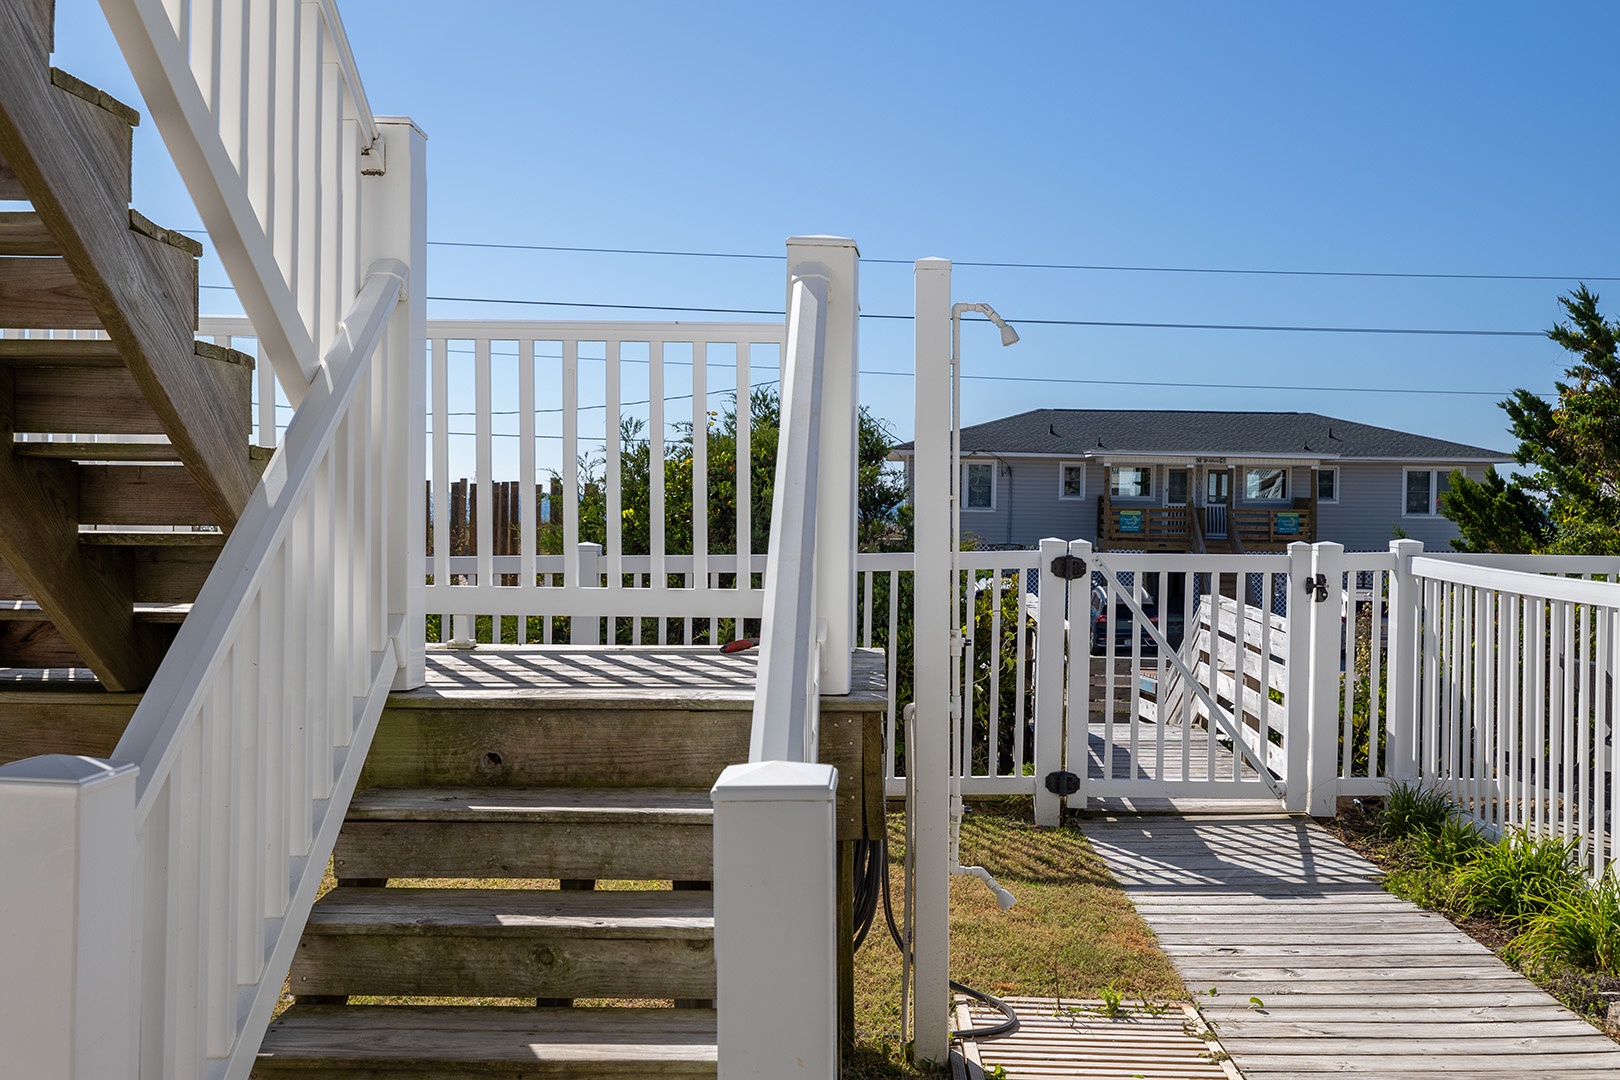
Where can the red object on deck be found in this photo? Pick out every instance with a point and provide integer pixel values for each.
(740, 645)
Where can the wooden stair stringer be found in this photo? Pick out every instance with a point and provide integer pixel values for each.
(88, 592)
(143, 289)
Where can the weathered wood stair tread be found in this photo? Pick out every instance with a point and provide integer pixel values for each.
(29, 611)
(637, 913)
(603, 806)
(96, 352)
(455, 1042)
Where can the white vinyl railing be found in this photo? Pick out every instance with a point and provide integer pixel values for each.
(205, 838)
(589, 404)
(251, 737)
(263, 111)
(1514, 704)
(787, 689)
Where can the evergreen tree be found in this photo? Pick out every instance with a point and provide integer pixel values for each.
(1570, 503)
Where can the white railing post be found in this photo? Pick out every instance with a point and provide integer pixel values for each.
(928, 761)
(837, 259)
(395, 227)
(1297, 697)
(67, 919)
(775, 920)
(1400, 707)
(1049, 682)
(590, 577)
(1327, 644)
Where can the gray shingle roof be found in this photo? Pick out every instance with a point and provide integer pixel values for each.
(1173, 431)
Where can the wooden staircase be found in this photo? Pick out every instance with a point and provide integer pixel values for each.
(100, 440)
(523, 876)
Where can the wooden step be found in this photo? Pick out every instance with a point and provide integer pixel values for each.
(581, 833)
(168, 568)
(29, 640)
(23, 233)
(464, 1042)
(56, 135)
(39, 716)
(542, 943)
(540, 746)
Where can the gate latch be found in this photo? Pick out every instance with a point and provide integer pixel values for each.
(1062, 783)
(1318, 586)
(1069, 567)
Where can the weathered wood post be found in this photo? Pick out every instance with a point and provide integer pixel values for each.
(68, 1003)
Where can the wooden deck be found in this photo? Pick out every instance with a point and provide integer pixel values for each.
(1349, 979)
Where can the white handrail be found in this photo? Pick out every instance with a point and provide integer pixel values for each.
(785, 701)
(251, 736)
(266, 118)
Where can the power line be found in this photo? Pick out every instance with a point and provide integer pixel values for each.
(992, 264)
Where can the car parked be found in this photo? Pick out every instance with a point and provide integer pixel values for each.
(1124, 623)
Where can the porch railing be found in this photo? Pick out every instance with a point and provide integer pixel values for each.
(240, 759)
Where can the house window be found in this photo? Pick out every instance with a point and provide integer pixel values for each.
(1072, 480)
(1327, 485)
(1131, 482)
(1266, 485)
(979, 485)
(1423, 490)
(1175, 487)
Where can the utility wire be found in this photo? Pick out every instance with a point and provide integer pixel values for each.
(992, 264)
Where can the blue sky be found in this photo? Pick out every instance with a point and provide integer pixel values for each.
(1373, 137)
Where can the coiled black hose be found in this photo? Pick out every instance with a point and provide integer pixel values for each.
(872, 883)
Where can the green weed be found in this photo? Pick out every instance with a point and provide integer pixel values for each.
(1580, 929)
(1412, 811)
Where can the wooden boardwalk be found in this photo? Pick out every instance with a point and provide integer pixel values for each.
(1349, 979)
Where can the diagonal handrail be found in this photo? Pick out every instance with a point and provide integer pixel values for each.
(784, 724)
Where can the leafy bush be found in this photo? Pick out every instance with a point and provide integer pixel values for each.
(1579, 929)
(1518, 877)
(1412, 811)
(1455, 844)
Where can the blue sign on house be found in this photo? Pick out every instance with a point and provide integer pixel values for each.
(1287, 523)
(1130, 521)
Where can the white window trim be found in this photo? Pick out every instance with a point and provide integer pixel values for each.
(1287, 482)
(1337, 480)
(1153, 482)
(1435, 472)
(994, 485)
(1081, 465)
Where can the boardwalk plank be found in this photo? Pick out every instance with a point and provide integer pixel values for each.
(1351, 979)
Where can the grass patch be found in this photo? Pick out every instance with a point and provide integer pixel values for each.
(1072, 933)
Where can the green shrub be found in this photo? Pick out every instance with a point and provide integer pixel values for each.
(1517, 878)
(1580, 929)
(1411, 811)
(1456, 844)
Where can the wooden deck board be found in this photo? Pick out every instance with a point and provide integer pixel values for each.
(1349, 979)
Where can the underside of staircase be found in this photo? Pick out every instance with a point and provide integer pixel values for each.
(124, 441)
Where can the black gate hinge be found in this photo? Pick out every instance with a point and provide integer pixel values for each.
(1062, 783)
(1069, 567)
(1316, 587)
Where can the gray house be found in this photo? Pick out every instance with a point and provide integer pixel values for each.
(1170, 480)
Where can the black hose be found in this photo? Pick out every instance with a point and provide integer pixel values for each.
(880, 858)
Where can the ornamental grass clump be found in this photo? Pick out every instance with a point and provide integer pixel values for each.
(1579, 930)
(1454, 845)
(1414, 811)
(1518, 878)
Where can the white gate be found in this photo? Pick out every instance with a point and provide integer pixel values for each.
(1187, 687)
